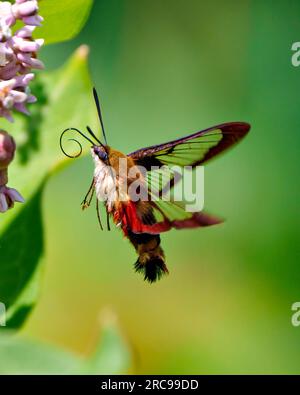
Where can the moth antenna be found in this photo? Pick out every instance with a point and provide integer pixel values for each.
(76, 141)
(99, 113)
(98, 214)
(93, 135)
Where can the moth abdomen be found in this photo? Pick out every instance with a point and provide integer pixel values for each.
(152, 266)
(151, 260)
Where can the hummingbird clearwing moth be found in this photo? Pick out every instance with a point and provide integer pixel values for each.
(142, 215)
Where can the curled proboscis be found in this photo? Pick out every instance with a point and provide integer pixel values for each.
(72, 139)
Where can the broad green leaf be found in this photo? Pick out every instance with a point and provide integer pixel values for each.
(19, 260)
(19, 311)
(20, 355)
(62, 19)
(63, 94)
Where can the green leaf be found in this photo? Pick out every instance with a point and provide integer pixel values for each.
(23, 356)
(111, 355)
(62, 96)
(22, 257)
(62, 19)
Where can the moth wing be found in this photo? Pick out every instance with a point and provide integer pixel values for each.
(194, 149)
(167, 211)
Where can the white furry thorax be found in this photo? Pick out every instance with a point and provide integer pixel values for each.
(106, 183)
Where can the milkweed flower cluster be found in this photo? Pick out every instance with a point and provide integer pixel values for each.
(18, 58)
(18, 55)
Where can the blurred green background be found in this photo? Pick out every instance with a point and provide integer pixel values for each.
(165, 69)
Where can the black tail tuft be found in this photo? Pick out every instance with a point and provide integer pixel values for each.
(153, 268)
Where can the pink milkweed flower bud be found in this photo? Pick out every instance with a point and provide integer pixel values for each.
(8, 196)
(25, 31)
(26, 8)
(6, 14)
(27, 11)
(7, 149)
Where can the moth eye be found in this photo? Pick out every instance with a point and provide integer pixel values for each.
(101, 154)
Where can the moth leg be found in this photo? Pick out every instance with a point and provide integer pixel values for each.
(91, 197)
(88, 199)
(107, 220)
(98, 214)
